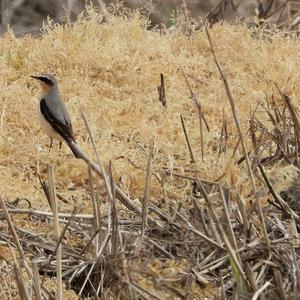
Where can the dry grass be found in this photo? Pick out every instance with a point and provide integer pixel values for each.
(112, 71)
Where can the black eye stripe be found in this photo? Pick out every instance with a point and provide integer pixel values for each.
(46, 80)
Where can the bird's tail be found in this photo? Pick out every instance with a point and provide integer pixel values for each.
(74, 148)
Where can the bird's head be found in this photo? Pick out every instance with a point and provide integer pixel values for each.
(47, 81)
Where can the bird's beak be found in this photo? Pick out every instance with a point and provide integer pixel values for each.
(35, 77)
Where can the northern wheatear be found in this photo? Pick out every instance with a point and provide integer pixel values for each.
(53, 114)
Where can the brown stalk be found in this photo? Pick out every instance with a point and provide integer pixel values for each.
(147, 190)
(295, 273)
(58, 244)
(213, 227)
(295, 119)
(236, 120)
(213, 220)
(104, 177)
(203, 214)
(233, 253)
(227, 217)
(104, 244)
(20, 282)
(100, 171)
(243, 212)
(223, 136)
(45, 189)
(54, 207)
(200, 114)
(222, 292)
(37, 213)
(193, 178)
(16, 239)
(252, 134)
(200, 212)
(235, 149)
(115, 220)
(88, 244)
(162, 92)
(96, 210)
(36, 281)
(187, 140)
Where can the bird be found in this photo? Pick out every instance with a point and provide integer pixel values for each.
(53, 115)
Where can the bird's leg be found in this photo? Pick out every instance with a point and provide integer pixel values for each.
(51, 143)
(60, 143)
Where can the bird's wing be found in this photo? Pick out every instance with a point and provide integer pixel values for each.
(61, 125)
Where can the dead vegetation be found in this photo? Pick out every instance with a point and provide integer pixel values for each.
(28, 16)
(177, 201)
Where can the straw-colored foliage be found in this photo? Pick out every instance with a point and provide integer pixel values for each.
(112, 71)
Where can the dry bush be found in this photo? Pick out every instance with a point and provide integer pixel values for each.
(26, 16)
(112, 71)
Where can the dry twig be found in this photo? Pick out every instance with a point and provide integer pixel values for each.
(241, 138)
